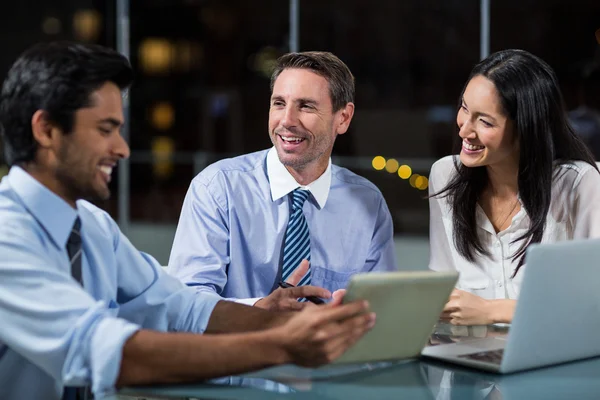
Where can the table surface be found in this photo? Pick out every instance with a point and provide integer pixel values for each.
(410, 379)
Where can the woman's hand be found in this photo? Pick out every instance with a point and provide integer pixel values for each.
(464, 308)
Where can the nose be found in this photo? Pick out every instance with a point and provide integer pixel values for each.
(465, 127)
(121, 148)
(290, 117)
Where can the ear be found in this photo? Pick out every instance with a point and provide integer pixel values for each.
(343, 118)
(44, 131)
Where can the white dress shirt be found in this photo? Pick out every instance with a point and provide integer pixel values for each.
(282, 182)
(574, 214)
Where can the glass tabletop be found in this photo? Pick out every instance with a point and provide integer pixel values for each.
(410, 379)
(444, 332)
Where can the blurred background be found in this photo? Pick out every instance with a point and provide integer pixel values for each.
(202, 86)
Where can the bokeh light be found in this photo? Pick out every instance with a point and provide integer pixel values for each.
(421, 182)
(413, 180)
(51, 26)
(378, 163)
(162, 156)
(162, 116)
(156, 55)
(391, 166)
(87, 25)
(404, 171)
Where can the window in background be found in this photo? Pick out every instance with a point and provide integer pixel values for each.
(202, 86)
(562, 34)
(27, 22)
(410, 60)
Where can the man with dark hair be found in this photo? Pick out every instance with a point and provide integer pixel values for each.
(286, 214)
(79, 305)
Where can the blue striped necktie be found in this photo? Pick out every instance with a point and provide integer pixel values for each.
(297, 238)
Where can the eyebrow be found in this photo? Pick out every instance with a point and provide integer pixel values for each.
(302, 100)
(112, 121)
(478, 113)
(307, 101)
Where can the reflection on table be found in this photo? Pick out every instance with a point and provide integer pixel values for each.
(409, 379)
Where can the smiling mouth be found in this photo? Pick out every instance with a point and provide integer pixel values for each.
(106, 171)
(292, 139)
(472, 147)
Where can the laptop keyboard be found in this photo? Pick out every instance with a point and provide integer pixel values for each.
(490, 356)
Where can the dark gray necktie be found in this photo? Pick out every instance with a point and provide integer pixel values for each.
(74, 251)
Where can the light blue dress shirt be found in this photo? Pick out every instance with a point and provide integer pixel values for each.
(231, 230)
(54, 333)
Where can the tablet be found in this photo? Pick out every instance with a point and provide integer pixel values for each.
(407, 304)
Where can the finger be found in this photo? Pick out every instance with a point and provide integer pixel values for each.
(330, 313)
(338, 297)
(363, 321)
(332, 330)
(346, 327)
(308, 305)
(445, 315)
(340, 345)
(291, 305)
(450, 306)
(456, 318)
(333, 337)
(305, 291)
(299, 272)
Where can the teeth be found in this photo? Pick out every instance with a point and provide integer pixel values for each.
(106, 169)
(472, 146)
(291, 139)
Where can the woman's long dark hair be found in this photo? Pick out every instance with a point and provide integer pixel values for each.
(531, 98)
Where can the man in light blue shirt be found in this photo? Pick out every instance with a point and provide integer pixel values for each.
(231, 233)
(79, 305)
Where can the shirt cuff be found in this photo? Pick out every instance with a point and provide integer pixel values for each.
(248, 302)
(204, 306)
(106, 353)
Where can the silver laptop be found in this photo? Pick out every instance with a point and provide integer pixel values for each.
(557, 318)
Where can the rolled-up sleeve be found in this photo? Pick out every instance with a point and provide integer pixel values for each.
(150, 297)
(51, 321)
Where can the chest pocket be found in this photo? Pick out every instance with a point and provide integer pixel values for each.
(331, 279)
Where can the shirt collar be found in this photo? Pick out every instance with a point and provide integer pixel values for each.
(54, 214)
(282, 182)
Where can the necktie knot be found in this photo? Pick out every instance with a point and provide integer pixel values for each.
(299, 197)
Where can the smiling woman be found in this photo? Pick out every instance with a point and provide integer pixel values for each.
(522, 176)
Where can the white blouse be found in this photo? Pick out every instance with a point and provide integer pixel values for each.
(574, 214)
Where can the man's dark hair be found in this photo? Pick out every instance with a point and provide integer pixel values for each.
(56, 77)
(325, 64)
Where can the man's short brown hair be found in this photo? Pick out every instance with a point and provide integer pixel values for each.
(325, 64)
